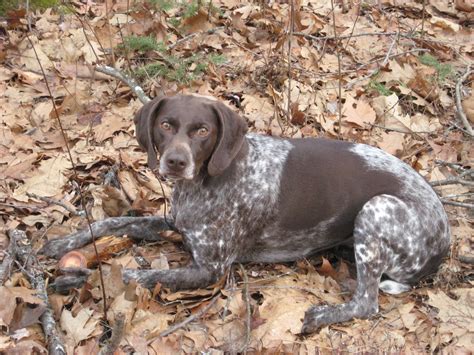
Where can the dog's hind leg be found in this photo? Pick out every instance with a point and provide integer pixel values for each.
(379, 238)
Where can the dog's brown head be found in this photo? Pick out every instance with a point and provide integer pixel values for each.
(189, 131)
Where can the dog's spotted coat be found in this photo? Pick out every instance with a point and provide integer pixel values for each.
(244, 197)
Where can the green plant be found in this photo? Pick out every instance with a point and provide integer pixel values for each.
(142, 44)
(164, 5)
(443, 70)
(182, 70)
(152, 70)
(380, 88)
(7, 5)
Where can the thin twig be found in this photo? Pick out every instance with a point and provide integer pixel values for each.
(75, 176)
(399, 130)
(389, 52)
(130, 82)
(461, 113)
(353, 26)
(290, 36)
(53, 201)
(28, 17)
(338, 53)
(188, 320)
(24, 254)
(423, 14)
(350, 36)
(246, 297)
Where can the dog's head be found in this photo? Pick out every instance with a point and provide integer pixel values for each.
(189, 132)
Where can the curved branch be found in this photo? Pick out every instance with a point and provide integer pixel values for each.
(130, 82)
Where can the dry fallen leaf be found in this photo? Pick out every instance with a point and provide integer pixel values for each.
(468, 107)
(20, 307)
(79, 327)
(48, 180)
(358, 112)
(457, 316)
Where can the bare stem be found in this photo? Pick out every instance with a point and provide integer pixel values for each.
(290, 36)
(83, 202)
(339, 99)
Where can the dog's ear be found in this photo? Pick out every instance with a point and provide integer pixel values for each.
(230, 139)
(144, 122)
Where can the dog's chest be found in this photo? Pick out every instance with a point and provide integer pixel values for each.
(239, 205)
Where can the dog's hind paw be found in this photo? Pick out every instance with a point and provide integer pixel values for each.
(317, 317)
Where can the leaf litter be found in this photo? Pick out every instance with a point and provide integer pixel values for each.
(393, 97)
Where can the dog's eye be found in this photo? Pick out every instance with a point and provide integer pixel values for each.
(166, 126)
(202, 132)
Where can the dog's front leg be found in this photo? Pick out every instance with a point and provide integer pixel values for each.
(190, 277)
(142, 228)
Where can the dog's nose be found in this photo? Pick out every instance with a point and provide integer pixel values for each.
(176, 162)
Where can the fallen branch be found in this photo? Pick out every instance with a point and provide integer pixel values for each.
(466, 259)
(24, 254)
(130, 82)
(188, 320)
(458, 204)
(455, 166)
(452, 181)
(459, 108)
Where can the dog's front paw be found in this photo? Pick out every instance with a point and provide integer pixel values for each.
(317, 317)
(147, 278)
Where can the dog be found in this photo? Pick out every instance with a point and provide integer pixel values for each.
(243, 197)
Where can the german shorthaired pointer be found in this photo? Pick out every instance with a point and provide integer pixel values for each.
(242, 197)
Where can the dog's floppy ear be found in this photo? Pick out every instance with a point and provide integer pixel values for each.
(230, 139)
(144, 122)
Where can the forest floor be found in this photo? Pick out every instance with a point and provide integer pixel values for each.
(384, 73)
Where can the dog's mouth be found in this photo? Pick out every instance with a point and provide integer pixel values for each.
(170, 175)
